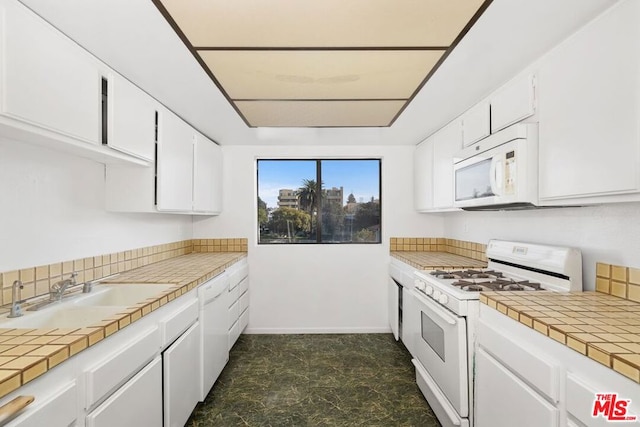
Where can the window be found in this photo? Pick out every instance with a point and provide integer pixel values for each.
(319, 201)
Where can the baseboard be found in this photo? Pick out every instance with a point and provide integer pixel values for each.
(347, 330)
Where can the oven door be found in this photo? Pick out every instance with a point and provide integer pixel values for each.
(441, 349)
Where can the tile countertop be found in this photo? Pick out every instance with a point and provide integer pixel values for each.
(435, 260)
(26, 354)
(602, 327)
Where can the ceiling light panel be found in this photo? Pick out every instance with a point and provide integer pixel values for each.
(320, 74)
(319, 113)
(321, 23)
(353, 63)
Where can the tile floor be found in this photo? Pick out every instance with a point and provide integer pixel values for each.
(316, 380)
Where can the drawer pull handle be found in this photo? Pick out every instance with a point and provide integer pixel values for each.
(11, 409)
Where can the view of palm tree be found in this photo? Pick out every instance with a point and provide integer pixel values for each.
(293, 208)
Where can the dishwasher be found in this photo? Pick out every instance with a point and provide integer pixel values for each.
(214, 332)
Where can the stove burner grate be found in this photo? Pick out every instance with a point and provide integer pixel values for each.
(500, 284)
(467, 274)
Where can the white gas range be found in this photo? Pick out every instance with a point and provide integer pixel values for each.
(441, 310)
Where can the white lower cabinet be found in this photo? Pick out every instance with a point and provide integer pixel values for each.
(238, 299)
(519, 405)
(138, 403)
(56, 410)
(538, 381)
(181, 377)
(116, 367)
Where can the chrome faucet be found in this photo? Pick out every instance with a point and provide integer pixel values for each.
(16, 308)
(58, 288)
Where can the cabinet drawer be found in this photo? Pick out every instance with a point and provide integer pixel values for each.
(244, 319)
(540, 373)
(178, 322)
(136, 403)
(238, 272)
(234, 333)
(234, 313)
(234, 294)
(57, 410)
(117, 367)
(244, 285)
(244, 301)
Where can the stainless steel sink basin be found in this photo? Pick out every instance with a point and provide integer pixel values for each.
(125, 294)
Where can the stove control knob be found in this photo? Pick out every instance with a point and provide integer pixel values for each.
(436, 294)
(419, 284)
(428, 290)
(443, 299)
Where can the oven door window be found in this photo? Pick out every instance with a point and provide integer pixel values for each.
(474, 181)
(433, 335)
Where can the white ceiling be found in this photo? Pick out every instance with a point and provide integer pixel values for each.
(133, 38)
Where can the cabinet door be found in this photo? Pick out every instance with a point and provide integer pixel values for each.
(392, 299)
(519, 404)
(175, 164)
(138, 403)
(207, 176)
(182, 376)
(512, 103)
(132, 117)
(589, 110)
(47, 80)
(423, 176)
(476, 123)
(447, 143)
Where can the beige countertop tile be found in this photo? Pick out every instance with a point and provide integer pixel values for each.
(28, 353)
(437, 260)
(604, 328)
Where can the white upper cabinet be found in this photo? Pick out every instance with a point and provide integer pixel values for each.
(433, 169)
(132, 118)
(476, 123)
(207, 176)
(514, 102)
(185, 178)
(589, 112)
(423, 176)
(174, 164)
(47, 80)
(448, 141)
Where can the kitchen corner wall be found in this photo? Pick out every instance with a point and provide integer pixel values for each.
(606, 233)
(52, 208)
(317, 288)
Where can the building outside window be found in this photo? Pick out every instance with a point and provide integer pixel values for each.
(319, 201)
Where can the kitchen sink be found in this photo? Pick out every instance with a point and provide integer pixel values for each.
(81, 310)
(124, 294)
(61, 315)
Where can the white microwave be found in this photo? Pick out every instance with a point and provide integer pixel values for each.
(499, 172)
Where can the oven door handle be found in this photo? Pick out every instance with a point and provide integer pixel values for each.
(452, 320)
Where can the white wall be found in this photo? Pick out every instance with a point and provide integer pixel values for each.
(317, 288)
(52, 209)
(607, 233)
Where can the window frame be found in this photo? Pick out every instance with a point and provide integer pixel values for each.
(318, 221)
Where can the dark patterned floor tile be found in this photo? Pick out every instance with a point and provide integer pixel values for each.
(316, 380)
